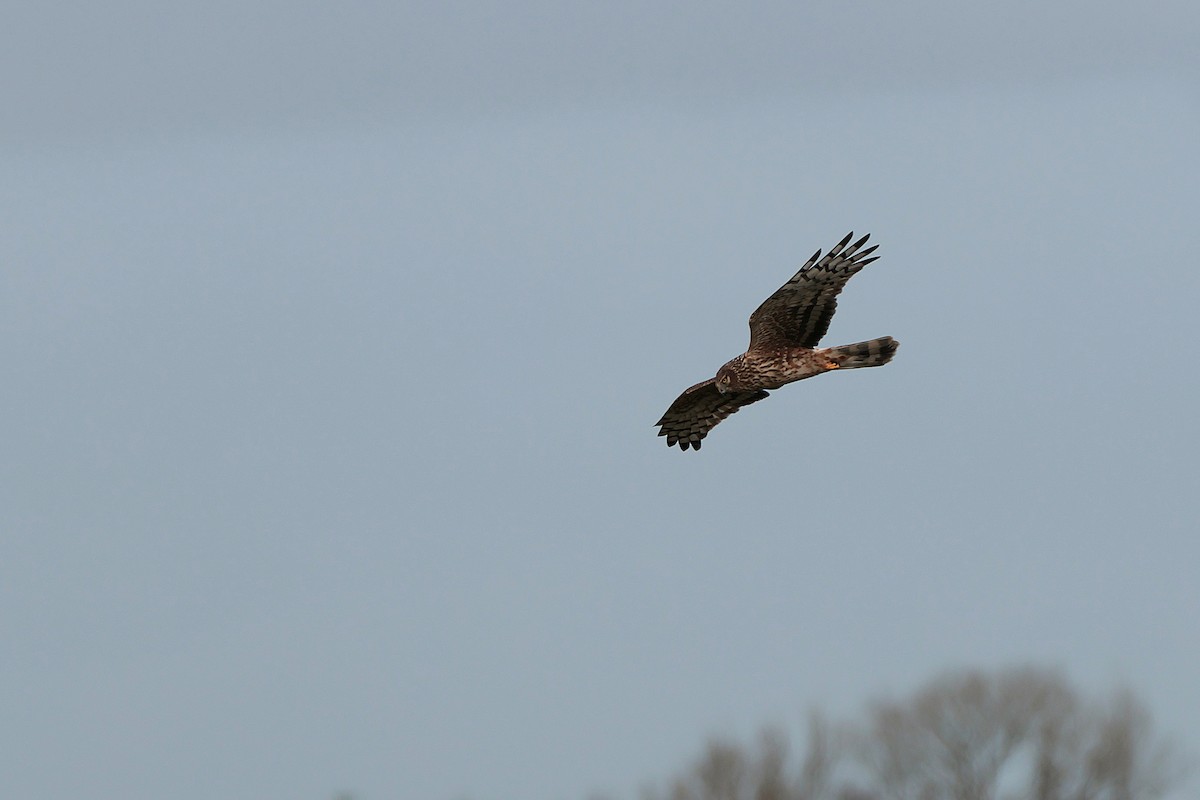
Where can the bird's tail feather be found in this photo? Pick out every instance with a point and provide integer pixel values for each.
(874, 353)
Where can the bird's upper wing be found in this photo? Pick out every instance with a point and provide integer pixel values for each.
(798, 314)
(698, 410)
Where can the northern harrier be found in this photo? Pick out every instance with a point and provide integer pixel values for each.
(784, 332)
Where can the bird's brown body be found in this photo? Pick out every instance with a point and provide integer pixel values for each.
(784, 332)
(774, 368)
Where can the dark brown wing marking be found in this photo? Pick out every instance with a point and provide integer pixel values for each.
(698, 410)
(798, 314)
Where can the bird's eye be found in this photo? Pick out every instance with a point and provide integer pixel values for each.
(725, 379)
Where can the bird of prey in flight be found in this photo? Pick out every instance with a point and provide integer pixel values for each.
(784, 332)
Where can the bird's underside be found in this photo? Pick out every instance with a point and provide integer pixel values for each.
(784, 333)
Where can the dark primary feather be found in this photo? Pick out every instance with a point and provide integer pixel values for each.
(698, 410)
(799, 313)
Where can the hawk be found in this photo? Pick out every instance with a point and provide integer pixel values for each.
(784, 332)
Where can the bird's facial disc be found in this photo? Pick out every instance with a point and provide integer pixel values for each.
(724, 381)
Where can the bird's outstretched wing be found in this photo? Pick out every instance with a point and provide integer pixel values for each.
(698, 410)
(798, 314)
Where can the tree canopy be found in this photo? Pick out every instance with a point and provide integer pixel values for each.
(1016, 734)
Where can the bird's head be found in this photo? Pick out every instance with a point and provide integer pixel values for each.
(727, 379)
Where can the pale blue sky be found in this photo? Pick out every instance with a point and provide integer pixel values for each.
(334, 336)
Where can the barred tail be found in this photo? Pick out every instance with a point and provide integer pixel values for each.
(874, 353)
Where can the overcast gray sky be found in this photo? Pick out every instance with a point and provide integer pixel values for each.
(334, 334)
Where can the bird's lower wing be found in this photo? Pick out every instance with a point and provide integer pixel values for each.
(698, 410)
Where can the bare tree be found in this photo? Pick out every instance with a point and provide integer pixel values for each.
(728, 771)
(1020, 734)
